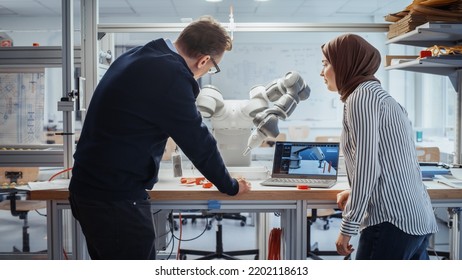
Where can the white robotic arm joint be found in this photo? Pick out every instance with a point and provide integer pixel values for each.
(210, 102)
(285, 93)
(289, 91)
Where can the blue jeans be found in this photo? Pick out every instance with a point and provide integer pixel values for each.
(387, 242)
(116, 230)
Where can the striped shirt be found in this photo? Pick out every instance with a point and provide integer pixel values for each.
(382, 167)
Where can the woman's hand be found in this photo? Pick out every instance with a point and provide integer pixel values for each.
(343, 245)
(342, 199)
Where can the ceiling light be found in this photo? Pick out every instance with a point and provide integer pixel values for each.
(213, 0)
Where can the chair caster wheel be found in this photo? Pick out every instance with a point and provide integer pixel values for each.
(183, 257)
(242, 223)
(184, 222)
(208, 226)
(326, 227)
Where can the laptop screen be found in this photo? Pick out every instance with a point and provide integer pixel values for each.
(311, 160)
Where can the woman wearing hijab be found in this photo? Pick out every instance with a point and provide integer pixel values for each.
(387, 201)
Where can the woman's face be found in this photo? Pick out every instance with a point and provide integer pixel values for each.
(328, 74)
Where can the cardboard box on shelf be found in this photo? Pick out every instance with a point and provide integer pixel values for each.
(389, 58)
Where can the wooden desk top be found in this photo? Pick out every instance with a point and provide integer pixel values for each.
(166, 190)
(23, 205)
(213, 194)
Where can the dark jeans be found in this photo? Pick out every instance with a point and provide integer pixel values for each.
(387, 242)
(117, 230)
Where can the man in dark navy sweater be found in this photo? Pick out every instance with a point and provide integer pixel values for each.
(147, 95)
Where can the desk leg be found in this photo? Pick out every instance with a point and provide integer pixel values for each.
(293, 224)
(55, 230)
(301, 229)
(78, 242)
(454, 233)
(54, 237)
(263, 230)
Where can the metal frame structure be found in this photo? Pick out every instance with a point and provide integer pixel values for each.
(427, 35)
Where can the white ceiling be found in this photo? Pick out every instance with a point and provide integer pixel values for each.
(171, 11)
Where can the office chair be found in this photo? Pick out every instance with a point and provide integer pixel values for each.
(20, 208)
(326, 138)
(219, 253)
(210, 218)
(313, 251)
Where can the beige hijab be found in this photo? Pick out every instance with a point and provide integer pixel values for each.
(354, 61)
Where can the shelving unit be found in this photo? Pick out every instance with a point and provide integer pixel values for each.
(449, 67)
(442, 34)
(427, 35)
(43, 57)
(31, 156)
(430, 34)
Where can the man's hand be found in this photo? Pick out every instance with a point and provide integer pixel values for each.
(244, 185)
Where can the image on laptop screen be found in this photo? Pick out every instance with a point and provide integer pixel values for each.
(314, 160)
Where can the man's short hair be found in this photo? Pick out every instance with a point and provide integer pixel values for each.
(204, 36)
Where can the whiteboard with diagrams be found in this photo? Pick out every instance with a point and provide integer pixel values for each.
(258, 64)
(258, 58)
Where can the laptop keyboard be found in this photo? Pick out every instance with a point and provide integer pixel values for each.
(301, 181)
(295, 181)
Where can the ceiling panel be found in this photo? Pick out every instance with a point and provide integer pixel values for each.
(244, 10)
(359, 7)
(6, 12)
(32, 8)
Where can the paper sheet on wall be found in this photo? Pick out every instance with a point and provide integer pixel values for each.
(21, 108)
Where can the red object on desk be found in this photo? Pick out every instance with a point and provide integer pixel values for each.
(303, 187)
(425, 54)
(207, 185)
(192, 180)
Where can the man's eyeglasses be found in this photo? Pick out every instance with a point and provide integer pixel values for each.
(214, 69)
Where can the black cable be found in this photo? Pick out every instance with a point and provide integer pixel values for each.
(43, 215)
(194, 238)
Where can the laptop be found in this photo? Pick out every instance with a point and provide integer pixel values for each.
(304, 163)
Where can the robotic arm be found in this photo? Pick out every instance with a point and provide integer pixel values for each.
(286, 93)
(231, 124)
(241, 115)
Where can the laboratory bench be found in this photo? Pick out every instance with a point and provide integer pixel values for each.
(291, 203)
